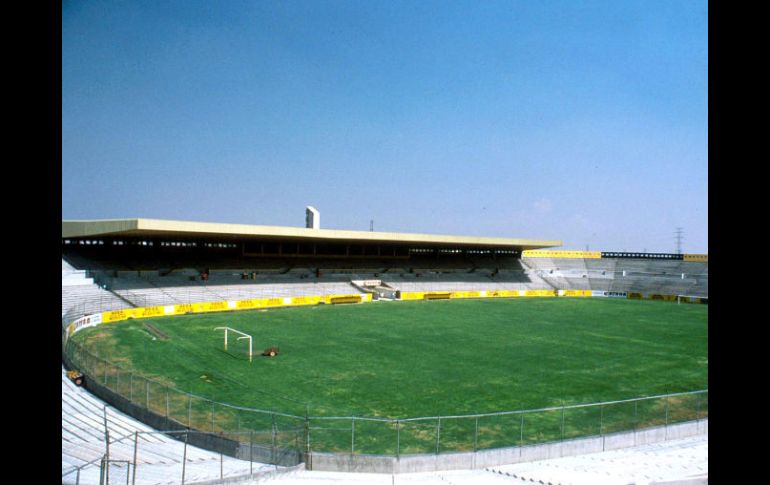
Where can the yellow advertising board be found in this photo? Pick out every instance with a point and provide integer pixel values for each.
(189, 308)
(703, 258)
(118, 315)
(540, 293)
(306, 300)
(339, 299)
(503, 293)
(273, 302)
(246, 304)
(215, 306)
(554, 253)
(656, 296)
(149, 312)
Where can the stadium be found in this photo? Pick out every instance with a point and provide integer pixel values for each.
(219, 353)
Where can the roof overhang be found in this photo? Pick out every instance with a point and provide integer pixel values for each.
(72, 229)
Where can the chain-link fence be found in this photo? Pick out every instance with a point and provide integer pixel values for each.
(470, 433)
(284, 439)
(170, 457)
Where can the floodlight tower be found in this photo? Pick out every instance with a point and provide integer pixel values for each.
(312, 218)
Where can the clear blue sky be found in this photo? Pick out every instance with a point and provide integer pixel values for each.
(580, 121)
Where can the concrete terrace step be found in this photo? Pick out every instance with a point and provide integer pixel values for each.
(670, 460)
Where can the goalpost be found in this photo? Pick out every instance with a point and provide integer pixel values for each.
(244, 336)
(690, 299)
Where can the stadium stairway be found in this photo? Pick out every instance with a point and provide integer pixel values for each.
(544, 270)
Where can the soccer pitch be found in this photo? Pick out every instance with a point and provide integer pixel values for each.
(422, 358)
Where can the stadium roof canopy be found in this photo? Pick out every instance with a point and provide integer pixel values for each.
(78, 229)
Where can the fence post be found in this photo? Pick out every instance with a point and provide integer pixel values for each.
(212, 416)
(601, 420)
(307, 440)
(189, 411)
(184, 455)
(636, 415)
(438, 434)
(106, 460)
(562, 421)
(272, 443)
(251, 452)
(147, 393)
(352, 435)
(521, 436)
(697, 408)
(136, 443)
(476, 436)
(398, 439)
(297, 444)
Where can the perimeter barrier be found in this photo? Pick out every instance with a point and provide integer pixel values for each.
(292, 435)
(148, 457)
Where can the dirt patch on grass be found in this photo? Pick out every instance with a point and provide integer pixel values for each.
(155, 332)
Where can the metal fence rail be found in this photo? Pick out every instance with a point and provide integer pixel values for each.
(165, 407)
(136, 459)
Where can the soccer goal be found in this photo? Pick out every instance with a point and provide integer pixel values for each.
(691, 299)
(243, 336)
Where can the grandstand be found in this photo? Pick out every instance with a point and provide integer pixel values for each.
(81, 296)
(140, 263)
(646, 276)
(87, 424)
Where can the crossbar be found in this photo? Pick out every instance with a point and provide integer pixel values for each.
(245, 335)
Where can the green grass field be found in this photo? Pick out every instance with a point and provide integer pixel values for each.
(423, 358)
